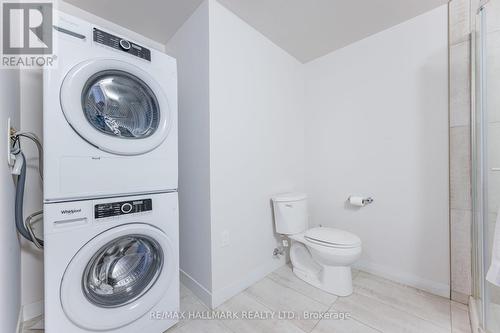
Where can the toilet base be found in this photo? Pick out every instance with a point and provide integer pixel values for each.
(336, 280)
(333, 280)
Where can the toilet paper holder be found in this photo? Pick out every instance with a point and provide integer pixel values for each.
(359, 201)
(368, 200)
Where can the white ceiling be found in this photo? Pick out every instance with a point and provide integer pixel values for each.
(155, 19)
(306, 29)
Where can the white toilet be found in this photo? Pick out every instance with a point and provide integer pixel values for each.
(320, 256)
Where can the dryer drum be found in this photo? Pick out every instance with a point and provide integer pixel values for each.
(120, 104)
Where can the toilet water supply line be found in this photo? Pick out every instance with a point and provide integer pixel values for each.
(25, 227)
(281, 250)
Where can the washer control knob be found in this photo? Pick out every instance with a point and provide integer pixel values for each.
(125, 44)
(126, 208)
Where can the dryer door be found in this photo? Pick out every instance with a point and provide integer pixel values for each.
(115, 106)
(117, 277)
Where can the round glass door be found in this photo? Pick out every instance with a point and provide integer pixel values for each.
(118, 276)
(120, 104)
(116, 106)
(122, 271)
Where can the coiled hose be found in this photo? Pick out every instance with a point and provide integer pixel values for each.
(21, 228)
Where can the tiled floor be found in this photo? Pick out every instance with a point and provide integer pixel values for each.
(377, 305)
(494, 324)
(33, 325)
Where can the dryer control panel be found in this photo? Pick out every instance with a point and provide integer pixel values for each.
(122, 208)
(121, 44)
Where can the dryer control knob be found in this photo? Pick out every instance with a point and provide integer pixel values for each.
(125, 44)
(126, 208)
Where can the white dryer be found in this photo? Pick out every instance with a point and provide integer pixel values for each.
(110, 115)
(112, 265)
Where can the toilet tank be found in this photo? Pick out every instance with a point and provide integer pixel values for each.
(290, 213)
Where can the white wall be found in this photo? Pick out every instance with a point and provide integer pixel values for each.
(257, 147)
(377, 116)
(190, 47)
(241, 141)
(368, 119)
(10, 261)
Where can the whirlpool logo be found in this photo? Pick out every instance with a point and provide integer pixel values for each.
(71, 211)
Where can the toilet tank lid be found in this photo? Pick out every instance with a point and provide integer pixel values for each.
(291, 196)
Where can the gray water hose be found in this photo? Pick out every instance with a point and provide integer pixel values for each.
(21, 180)
(33, 137)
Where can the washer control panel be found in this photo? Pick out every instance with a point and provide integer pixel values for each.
(122, 208)
(121, 44)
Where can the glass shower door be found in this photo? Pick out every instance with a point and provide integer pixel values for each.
(486, 159)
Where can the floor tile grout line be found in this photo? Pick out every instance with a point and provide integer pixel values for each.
(290, 288)
(418, 293)
(319, 321)
(314, 327)
(227, 327)
(183, 323)
(373, 298)
(407, 287)
(359, 321)
(457, 329)
(409, 313)
(257, 300)
(298, 291)
(270, 309)
(367, 325)
(443, 301)
(197, 300)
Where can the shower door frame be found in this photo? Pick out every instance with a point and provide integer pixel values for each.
(480, 166)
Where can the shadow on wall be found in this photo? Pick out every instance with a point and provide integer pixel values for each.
(9, 246)
(32, 287)
(429, 79)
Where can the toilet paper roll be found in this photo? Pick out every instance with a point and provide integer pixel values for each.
(357, 201)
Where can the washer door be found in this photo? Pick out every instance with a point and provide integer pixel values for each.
(117, 277)
(115, 106)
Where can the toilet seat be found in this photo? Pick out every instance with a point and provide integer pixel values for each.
(332, 237)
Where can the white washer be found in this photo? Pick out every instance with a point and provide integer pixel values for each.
(110, 115)
(112, 265)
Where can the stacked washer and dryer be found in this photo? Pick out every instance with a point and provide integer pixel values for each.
(110, 184)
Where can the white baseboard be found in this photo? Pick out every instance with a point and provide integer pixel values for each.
(432, 287)
(215, 298)
(199, 290)
(32, 310)
(222, 295)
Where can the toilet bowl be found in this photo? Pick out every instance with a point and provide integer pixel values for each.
(325, 265)
(320, 256)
